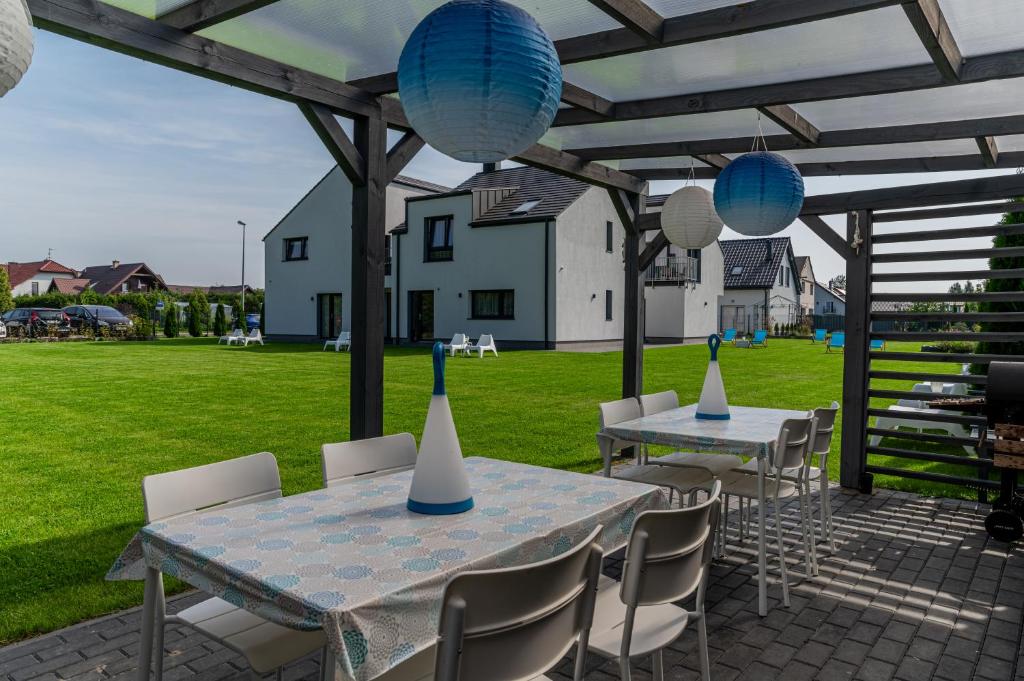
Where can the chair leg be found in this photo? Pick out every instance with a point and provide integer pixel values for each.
(161, 627)
(624, 668)
(658, 666)
(741, 535)
(702, 648)
(805, 535)
(782, 555)
(279, 674)
(826, 512)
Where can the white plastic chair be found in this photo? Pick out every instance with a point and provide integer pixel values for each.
(344, 340)
(668, 559)
(345, 461)
(716, 464)
(484, 343)
(676, 479)
(254, 337)
(459, 343)
(235, 334)
(265, 645)
(902, 415)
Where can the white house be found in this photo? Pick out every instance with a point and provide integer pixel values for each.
(828, 301)
(805, 271)
(762, 286)
(34, 278)
(307, 256)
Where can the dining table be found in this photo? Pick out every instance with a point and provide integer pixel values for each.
(749, 432)
(353, 561)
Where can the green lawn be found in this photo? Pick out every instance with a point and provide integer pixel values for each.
(84, 422)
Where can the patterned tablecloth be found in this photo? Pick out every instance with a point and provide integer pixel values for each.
(352, 560)
(750, 432)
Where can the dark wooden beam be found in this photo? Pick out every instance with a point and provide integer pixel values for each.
(635, 15)
(585, 99)
(403, 152)
(989, 151)
(927, 19)
(652, 249)
(918, 195)
(562, 163)
(622, 202)
(855, 137)
(828, 235)
(330, 132)
(904, 79)
(648, 222)
(369, 201)
(856, 363)
(384, 84)
(716, 161)
(786, 117)
(200, 14)
(995, 208)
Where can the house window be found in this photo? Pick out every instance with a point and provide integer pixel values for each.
(387, 255)
(438, 244)
(493, 304)
(607, 306)
(35, 288)
(296, 248)
(124, 287)
(695, 254)
(830, 307)
(609, 246)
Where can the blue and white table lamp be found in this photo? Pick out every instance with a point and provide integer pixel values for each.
(713, 404)
(439, 483)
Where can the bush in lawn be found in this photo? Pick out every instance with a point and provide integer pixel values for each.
(198, 314)
(219, 321)
(6, 299)
(172, 326)
(999, 286)
(239, 318)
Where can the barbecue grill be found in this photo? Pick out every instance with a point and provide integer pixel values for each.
(1004, 409)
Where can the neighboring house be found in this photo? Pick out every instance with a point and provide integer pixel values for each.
(828, 301)
(69, 286)
(683, 287)
(182, 290)
(762, 288)
(120, 277)
(307, 257)
(807, 284)
(34, 278)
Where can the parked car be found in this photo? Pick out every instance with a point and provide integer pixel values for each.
(36, 322)
(97, 317)
(252, 321)
(3, 330)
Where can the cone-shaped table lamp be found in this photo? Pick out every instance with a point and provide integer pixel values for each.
(713, 403)
(439, 483)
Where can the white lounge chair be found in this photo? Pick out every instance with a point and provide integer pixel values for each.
(904, 411)
(459, 342)
(486, 342)
(236, 334)
(344, 340)
(254, 337)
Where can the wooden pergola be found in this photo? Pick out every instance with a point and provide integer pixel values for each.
(938, 91)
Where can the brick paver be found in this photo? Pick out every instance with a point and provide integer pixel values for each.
(914, 591)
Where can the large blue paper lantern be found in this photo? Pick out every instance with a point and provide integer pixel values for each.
(480, 80)
(759, 193)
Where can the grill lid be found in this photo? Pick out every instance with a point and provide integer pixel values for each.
(1004, 393)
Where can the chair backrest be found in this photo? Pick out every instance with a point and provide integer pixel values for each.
(237, 333)
(669, 552)
(343, 461)
(618, 411)
(823, 433)
(517, 623)
(345, 336)
(837, 339)
(226, 483)
(760, 336)
(459, 339)
(655, 403)
(729, 334)
(795, 438)
(486, 340)
(819, 334)
(255, 334)
(877, 344)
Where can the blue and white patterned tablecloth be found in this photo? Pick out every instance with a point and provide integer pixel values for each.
(751, 431)
(352, 560)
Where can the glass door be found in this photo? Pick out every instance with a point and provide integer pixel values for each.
(329, 314)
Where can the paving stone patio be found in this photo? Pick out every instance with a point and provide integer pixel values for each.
(915, 591)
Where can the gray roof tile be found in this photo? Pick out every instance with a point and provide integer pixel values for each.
(759, 270)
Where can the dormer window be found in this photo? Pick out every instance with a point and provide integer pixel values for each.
(525, 207)
(737, 270)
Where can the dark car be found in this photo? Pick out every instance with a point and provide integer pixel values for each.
(37, 322)
(96, 317)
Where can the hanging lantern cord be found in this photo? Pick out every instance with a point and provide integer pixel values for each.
(691, 178)
(759, 137)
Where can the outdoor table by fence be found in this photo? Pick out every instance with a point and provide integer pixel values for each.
(354, 561)
(751, 432)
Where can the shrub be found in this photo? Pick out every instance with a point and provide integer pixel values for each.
(172, 327)
(959, 347)
(198, 314)
(6, 300)
(219, 321)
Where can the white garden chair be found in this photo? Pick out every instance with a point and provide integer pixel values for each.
(668, 559)
(716, 464)
(345, 461)
(902, 415)
(344, 340)
(254, 337)
(485, 342)
(265, 645)
(236, 334)
(459, 344)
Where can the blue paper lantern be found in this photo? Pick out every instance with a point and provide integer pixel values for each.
(480, 80)
(759, 193)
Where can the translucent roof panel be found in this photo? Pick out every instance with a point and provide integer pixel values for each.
(1010, 143)
(664, 162)
(675, 8)
(741, 123)
(883, 151)
(148, 8)
(354, 39)
(866, 41)
(983, 26)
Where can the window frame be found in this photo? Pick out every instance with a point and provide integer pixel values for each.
(609, 238)
(434, 253)
(609, 305)
(304, 252)
(502, 294)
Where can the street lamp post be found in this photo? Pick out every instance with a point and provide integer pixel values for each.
(241, 314)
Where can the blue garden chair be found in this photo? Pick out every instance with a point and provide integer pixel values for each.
(837, 341)
(819, 336)
(760, 339)
(878, 344)
(729, 336)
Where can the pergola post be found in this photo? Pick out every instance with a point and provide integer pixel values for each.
(629, 207)
(366, 392)
(853, 457)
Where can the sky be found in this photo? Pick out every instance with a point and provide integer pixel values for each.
(106, 157)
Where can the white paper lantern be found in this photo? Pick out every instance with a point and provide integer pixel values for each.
(688, 218)
(15, 43)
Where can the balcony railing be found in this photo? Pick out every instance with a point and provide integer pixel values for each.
(677, 268)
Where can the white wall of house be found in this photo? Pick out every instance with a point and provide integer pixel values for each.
(827, 302)
(689, 310)
(324, 215)
(807, 285)
(38, 284)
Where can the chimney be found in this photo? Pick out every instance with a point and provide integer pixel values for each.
(115, 265)
(768, 250)
(491, 167)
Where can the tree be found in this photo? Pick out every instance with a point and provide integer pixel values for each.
(838, 282)
(1003, 285)
(198, 314)
(239, 316)
(219, 321)
(6, 300)
(172, 325)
